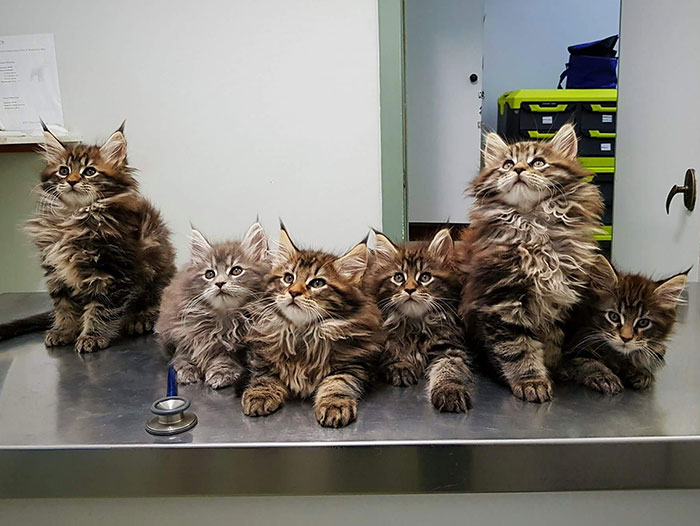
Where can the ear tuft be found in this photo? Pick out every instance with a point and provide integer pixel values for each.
(199, 245)
(442, 245)
(603, 274)
(565, 142)
(113, 151)
(669, 291)
(495, 149)
(286, 248)
(352, 265)
(53, 149)
(255, 242)
(384, 248)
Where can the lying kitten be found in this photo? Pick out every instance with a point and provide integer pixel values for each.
(618, 336)
(204, 314)
(530, 248)
(316, 334)
(104, 248)
(418, 293)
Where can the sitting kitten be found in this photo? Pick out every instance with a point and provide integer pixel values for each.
(618, 336)
(418, 293)
(530, 248)
(104, 248)
(204, 314)
(316, 334)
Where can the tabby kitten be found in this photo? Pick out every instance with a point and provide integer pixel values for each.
(205, 314)
(530, 248)
(618, 335)
(104, 248)
(418, 293)
(317, 333)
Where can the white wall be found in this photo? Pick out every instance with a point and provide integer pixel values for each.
(234, 108)
(525, 42)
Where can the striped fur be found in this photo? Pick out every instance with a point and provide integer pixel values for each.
(314, 334)
(527, 255)
(104, 248)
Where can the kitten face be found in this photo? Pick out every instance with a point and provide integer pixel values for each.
(523, 174)
(308, 287)
(414, 280)
(635, 314)
(227, 275)
(78, 175)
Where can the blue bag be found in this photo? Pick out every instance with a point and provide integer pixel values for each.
(591, 65)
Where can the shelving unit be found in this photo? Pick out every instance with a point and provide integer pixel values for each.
(29, 143)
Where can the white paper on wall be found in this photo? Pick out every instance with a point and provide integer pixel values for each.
(29, 83)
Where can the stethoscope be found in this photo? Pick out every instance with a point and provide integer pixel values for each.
(170, 412)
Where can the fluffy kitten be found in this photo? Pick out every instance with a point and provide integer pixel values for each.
(618, 336)
(317, 334)
(418, 293)
(104, 248)
(204, 314)
(531, 246)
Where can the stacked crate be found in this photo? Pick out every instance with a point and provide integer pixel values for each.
(533, 114)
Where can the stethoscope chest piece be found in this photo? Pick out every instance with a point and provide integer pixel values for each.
(171, 416)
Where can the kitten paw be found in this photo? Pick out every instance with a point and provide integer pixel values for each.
(187, 374)
(608, 384)
(259, 401)
(141, 323)
(451, 398)
(86, 344)
(220, 379)
(536, 390)
(641, 381)
(53, 338)
(401, 375)
(337, 411)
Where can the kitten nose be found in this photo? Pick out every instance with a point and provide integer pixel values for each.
(410, 291)
(72, 183)
(294, 293)
(220, 284)
(518, 169)
(625, 338)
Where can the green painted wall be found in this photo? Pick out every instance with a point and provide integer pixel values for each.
(19, 265)
(392, 102)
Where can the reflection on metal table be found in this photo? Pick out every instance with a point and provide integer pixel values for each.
(73, 425)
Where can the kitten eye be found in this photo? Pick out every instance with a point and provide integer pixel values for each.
(236, 271)
(613, 316)
(643, 323)
(288, 278)
(63, 171)
(508, 165)
(90, 172)
(538, 163)
(399, 278)
(209, 274)
(317, 283)
(425, 277)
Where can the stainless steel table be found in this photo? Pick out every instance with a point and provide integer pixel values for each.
(74, 426)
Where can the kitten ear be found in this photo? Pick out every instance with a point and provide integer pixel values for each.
(442, 245)
(383, 247)
(495, 149)
(668, 293)
(199, 246)
(286, 248)
(352, 265)
(603, 274)
(54, 151)
(255, 242)
(565, 142)
(114, 150)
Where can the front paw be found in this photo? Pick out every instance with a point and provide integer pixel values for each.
(53, 338)
(86, 344)
(401, 375)
(260, 401)
(451, 398)
(220, 379)
(536, 390)
(141, 324)
(336, 411)
(186, 373)
(641, 381)
(608, 384)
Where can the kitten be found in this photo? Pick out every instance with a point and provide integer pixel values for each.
(618, 336)
(418, 293)
(530, 248)
(204, 313)
(317, 334)
(104, 248)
